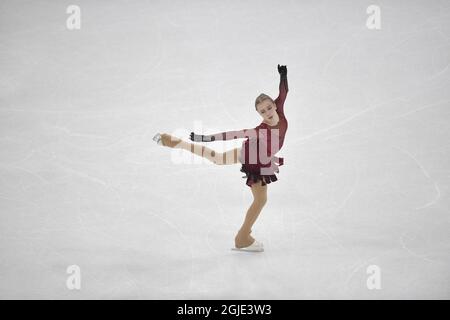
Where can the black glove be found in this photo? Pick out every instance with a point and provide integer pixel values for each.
(282, 70)
(201, 138)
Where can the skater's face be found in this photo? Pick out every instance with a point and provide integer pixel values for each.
(267, 110)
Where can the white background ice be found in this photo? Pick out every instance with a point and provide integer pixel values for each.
(366, 174)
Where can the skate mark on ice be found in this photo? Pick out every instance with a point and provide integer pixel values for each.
(412, 253)
(425, 172)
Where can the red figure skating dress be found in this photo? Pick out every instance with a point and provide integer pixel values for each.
(263, 142)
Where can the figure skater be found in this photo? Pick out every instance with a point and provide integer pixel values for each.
(268, 137)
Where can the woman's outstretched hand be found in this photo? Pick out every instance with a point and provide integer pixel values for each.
(196, 137)
(201, 138)
(282, 70)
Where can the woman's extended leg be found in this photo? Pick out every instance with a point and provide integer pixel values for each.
(243, 238)
(221, 158)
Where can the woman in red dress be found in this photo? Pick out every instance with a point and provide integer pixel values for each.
(257, 155)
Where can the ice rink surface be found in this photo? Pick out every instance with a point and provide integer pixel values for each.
(366, 174)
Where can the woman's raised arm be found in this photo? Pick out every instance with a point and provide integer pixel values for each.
(282, 70)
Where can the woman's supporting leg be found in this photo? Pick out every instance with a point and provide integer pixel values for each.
(243, 238)
(220, 158)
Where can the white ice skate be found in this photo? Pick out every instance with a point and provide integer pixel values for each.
(157, 138)
(256, 246)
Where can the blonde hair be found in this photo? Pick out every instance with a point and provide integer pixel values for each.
(261, 98)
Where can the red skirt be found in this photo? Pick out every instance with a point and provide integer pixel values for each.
(253, 172)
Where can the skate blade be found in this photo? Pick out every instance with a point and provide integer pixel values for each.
(157, 138)
(248, 250)
(254, 247)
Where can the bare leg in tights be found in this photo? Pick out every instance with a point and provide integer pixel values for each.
(220, 158)
(243, 237)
